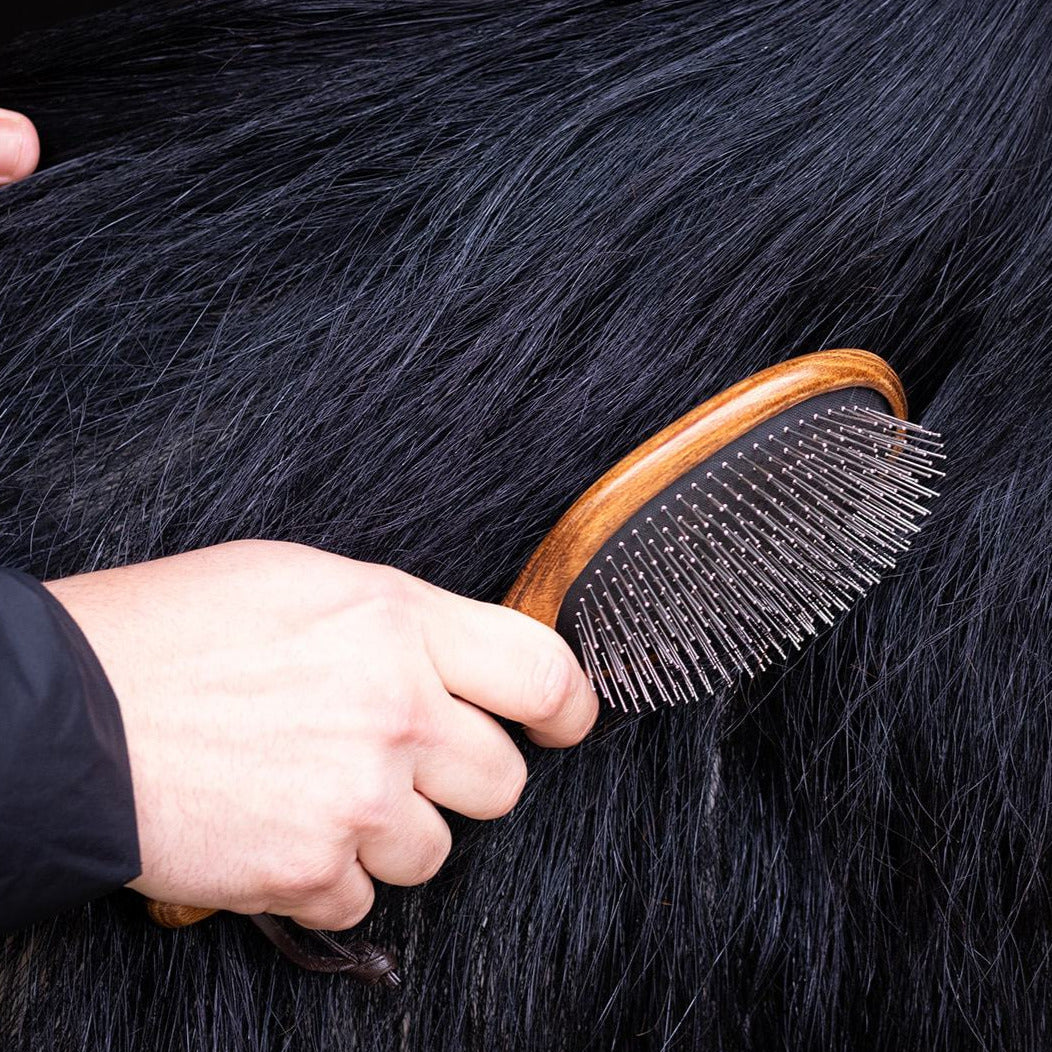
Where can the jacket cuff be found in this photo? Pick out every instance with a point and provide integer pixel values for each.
(67, 812)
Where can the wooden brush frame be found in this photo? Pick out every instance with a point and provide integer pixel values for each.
(655, 465)
(648, 470)
(169, 915)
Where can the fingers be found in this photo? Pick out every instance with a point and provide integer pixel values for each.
(471, 766)
(19, 147)
(343, 906)
(511, 665)
(410, 848)
(401, 839)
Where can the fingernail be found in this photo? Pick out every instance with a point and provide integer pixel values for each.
(19, 148)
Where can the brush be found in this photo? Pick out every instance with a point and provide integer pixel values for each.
(742, 529)
(717, 547)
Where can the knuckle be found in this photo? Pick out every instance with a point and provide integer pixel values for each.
(434, 853)
(246, 544)
(317, 918)
(241, 554)
(259, 547)
(385, 608)
(392, 595)
(351, 909)
(338, 907)
(359, 906)
(417, 726)
(408, 719)
(511, 782)
(371, 808)
(307, 876)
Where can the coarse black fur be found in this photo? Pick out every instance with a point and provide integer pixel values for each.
(399, 280)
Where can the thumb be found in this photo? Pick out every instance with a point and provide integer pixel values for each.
(19, 146)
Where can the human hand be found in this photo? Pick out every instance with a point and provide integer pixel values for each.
(293, 718)
(19, 147)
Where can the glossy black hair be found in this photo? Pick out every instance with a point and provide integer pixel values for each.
(400, 280)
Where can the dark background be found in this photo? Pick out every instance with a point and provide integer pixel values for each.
(40, 14)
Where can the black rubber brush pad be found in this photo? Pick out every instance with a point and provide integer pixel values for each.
(863, 397)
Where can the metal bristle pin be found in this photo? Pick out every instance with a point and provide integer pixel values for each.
(773, 543)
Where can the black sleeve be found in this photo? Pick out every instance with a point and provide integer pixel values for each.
(67, 814)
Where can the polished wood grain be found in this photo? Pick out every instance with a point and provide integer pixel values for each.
(655, 465)
(651, 468)
(168, 915)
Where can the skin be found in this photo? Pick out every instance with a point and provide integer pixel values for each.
(19, 147)
(295, 718)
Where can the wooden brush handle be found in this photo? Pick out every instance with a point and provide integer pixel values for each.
(651, 468)
(168, 915)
